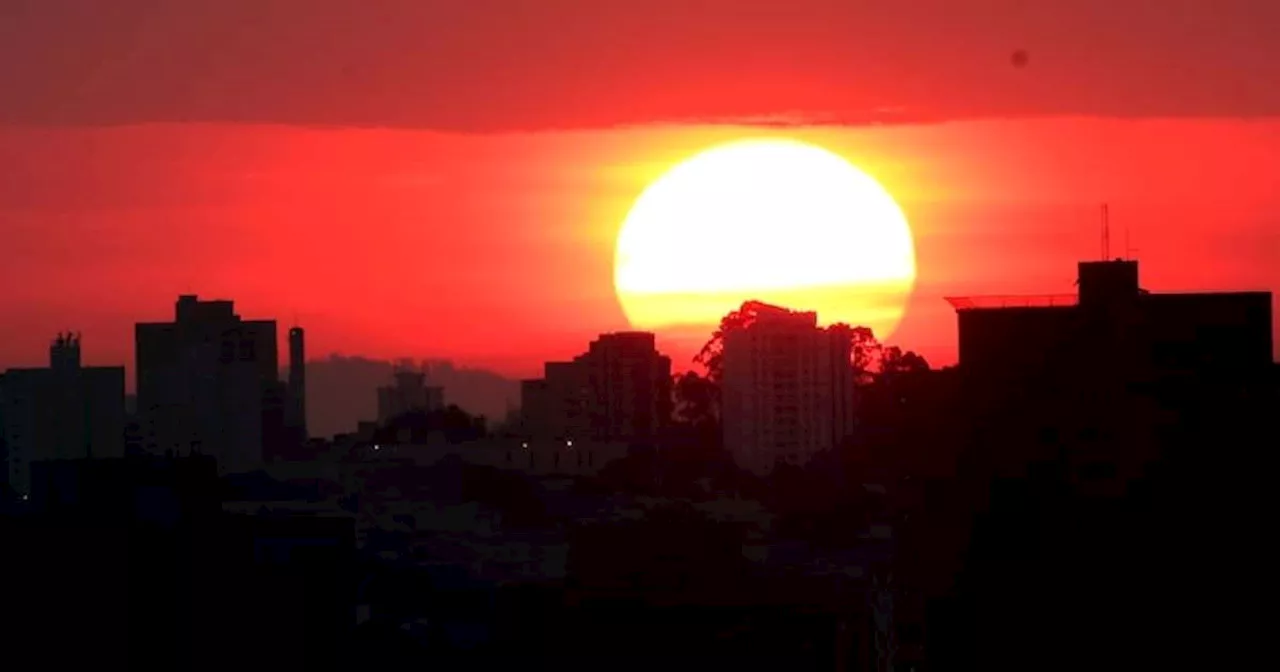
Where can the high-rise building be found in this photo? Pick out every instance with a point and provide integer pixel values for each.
(410, 393)
(1106, 422)
(63, 412)
(209, 383)
(296, 418)
(787, 389)
(1106, 372)
(1113, 322)
(555, 405)
(629, 387)
(619, 390)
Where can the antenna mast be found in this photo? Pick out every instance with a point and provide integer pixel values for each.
(1106, 233)
(1129, 251)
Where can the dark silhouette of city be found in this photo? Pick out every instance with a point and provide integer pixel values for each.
(1043, 495)
(1085, 487)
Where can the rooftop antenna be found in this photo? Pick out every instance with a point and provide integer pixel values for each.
(1129, 252)
(1106, 233)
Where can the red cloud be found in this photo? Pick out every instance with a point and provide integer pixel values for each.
(486, 65)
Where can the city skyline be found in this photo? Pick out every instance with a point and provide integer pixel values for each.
(28, 347)
(857, 335)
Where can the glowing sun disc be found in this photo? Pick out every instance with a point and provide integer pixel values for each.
(780, 221)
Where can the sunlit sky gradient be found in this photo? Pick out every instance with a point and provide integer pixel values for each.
(779, 221)
(460, 197)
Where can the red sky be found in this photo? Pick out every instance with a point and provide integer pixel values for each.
(446, 179)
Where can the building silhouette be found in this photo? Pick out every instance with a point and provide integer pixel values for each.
(62, 412)
(1113, 324)
(619, 390)
(296, 417)
(143, 550)
(1103, 374)
(208, 383)
(788, 389)
(555, 405)
(410, 393)
(1100, 431)
(629, 387)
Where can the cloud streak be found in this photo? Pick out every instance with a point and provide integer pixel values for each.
(501, 65)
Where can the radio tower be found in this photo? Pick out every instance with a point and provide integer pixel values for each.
(1106, 233)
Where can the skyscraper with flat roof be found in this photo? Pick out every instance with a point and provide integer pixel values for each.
(1112, 323)
(618, 390)
(1100, 377)
(208, 383)
(787, 389)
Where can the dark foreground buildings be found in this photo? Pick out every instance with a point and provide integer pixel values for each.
(1095, 497)
(132, 564)
(1103, 379)
(1107, 506)
(1113, 328)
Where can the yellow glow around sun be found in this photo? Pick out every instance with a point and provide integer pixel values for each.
(781, 221)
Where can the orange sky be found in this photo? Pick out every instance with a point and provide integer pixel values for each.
(446, 178)
(497, 249)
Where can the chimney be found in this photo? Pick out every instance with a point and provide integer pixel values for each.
(298, 383)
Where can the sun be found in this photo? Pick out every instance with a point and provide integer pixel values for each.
(781, 221)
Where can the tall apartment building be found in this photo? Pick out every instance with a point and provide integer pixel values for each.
(788, 389)
(209, 383)
(619, 390)
(63, 412)
(629, 387)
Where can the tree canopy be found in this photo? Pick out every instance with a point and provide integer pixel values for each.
(869, 357)
(711, 357)
(455, 424)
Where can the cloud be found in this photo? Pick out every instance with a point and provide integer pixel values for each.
(496, 65)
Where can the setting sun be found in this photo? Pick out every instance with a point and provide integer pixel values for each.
(781, 221)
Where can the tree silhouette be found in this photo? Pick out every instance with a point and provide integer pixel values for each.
(697, 399)
(893, 360)
(865, 353)
(711, 357)
(455, 424)
(868, 356)
(695, 440)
